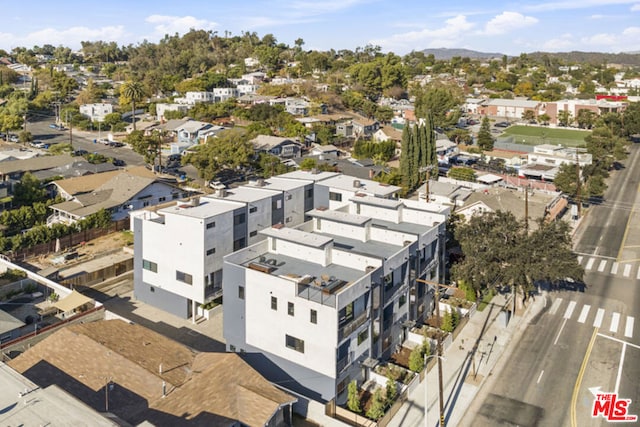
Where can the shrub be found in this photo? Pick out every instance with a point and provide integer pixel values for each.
(376, 410)
(353, 398)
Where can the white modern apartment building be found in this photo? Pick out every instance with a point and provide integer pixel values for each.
(178, 247)
(96, 112)
(313, 306)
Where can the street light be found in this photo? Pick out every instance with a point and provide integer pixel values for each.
(426, 402)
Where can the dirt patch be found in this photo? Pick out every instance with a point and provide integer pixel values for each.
(401, 357)
(85, 251)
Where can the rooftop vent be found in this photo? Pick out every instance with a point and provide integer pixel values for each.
(357, 183)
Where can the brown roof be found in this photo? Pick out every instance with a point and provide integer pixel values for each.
(87, 183)
(201, 388)
(34, 164)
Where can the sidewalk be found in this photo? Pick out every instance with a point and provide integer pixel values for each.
(463, 374)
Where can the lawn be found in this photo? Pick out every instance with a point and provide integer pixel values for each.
(535, 135)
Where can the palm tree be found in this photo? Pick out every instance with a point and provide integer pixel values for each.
(134, 92)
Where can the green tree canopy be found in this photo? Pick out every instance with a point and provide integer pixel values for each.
(485, 139)
(229, 150)
(28, 191)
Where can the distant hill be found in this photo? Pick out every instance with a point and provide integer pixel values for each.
(624, 58)
(445, 54)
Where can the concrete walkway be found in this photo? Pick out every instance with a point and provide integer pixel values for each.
(481, 348)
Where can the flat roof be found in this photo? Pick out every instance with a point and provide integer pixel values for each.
(376, 201)
(208, 207)
(403, 227)
(248, 194)
(372, 248)
(42, 406)
(308, 175)
(313, 240)
(338, 216)
(345, 182)
(95, 264)
(9, 323)
(284, 184)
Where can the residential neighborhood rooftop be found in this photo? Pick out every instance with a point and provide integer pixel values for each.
(206, 208)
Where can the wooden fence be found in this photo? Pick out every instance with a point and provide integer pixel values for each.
(68, 241)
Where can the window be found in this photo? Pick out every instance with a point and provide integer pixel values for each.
(294, 343)
(239, 244)
(211, 225)
(278, 204)
(232, 348)
(174, 196)
(362, 336)
(184, 277)
(290, 309)
(148, 265)
(253, 233)
(336, 197)
(241, 292)
(162, 199)
(313, 316)
(211, 251)
(289, 196)
(309, 193)
(274, 303)
(402, 301)
(253, 209)
(239, 219)
(152, 289)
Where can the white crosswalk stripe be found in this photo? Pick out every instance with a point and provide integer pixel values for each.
(627, 270)
(615, 317)
(602, 265)
(628, 329)
(580, 257)
(590, 263)
(615, 320)
(599, 316)
(614, 268)
(584, 313)
(555, 306)
(569, 311)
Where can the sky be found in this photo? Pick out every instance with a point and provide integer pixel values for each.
(507, 27)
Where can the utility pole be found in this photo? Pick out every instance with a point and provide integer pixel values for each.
(526, 209)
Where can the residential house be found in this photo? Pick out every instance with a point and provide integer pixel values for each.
(284, 148)
(345, 129)
(364, 127)
(10, 327)
(96, 112)
(27, 403)
(144, 378)
(192, 98)
(475, 105)
(179, 247)
(556, 155)
(221, 94)
(191, 131)
(388, 133)
(510, 109)
(162, 108)
(11, 171)
(118, 192)
(341, 188)
(324, 150)
(246, 89)
(318, 304)
(443, 193)
(77, 168)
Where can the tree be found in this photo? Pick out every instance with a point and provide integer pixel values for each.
(416, 359)
(229, 150)
(544, 119)
(442, 101)
(462, 173)
(564, 118)
(132, 91)
(376, 409)
(585, 118)
(391, 388)
(112, 120)
(529, 115)
(485, 140)
(631, 119)
(28, 191)
(353, 397)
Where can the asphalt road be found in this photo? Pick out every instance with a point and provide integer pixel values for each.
(81, 140)
(581, 342)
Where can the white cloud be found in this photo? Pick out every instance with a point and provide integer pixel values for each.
(564, 42)
(164, 24)
(635, 7)
(67, 37)
(508, 21)
(450, 35)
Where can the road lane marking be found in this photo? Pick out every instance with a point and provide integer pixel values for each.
(614, 268)
(599, 316)
(628, 329)
(576, 387)
(615, 319)
(580, 257)
(590, 263)
(609, 337)
(624, 350)
(602, 265)
(555, 306)
(638, 277)
(559, 332)
(584, 313)
(627, 270)
(540, 377)
(569, 311)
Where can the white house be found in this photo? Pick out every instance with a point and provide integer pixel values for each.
(161, 109)
(284, 148)
(96, 112)
(321, 300)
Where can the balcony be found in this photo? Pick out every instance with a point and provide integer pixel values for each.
(351, 326)
(342, 364)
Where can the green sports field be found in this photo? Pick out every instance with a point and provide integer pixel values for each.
(536, 135)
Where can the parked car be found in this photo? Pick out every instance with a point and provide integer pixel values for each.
(502, 124)
(80, 152)
(14, 138)
(118, 162)
(56, 126)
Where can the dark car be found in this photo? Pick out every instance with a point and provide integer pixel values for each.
(56, 126)
(118, 162)
(80, 152)
(175, 157)
(116, 144)
(502, 124)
